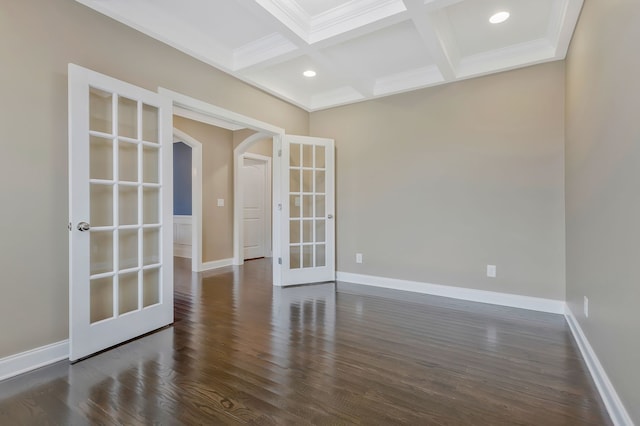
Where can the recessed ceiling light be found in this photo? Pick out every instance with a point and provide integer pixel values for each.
(309, 73)
(499, 17)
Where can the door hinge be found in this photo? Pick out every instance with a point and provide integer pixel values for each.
(279, 153)
(69, 226)
(279, 261)
(280, 206)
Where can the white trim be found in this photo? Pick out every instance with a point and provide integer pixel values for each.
(215, 264)
(268, 245)
(196, 197)
(202, 118)
(35, 358)
(503, 299)
(617, 412)
(193, 104)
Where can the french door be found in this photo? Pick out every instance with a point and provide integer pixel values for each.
(308, 203)
(120, 174)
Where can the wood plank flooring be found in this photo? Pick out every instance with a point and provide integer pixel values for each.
(242, 352)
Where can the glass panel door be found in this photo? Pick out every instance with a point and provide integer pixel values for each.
(120, 212)
(309, 231)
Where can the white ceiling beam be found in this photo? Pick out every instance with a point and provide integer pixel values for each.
(435, 34)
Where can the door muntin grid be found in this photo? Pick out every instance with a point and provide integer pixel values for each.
(125, 205)
(307, 206)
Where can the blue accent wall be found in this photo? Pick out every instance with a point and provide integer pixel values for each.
(181, 179)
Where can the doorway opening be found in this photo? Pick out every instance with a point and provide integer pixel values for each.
(255, 190)
(195, 109)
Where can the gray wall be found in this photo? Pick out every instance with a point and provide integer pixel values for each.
(433, 185)
(603, 187)
(37, 40)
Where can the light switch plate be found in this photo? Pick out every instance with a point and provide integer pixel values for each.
(491, 271)
(220, 202)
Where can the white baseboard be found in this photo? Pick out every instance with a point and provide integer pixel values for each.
(618, 413)
(181, 250)
(482, 296)
(32, 359)
(215, 264)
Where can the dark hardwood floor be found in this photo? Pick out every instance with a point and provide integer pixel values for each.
(241, 351)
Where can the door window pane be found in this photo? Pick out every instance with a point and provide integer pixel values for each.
(294, 180)
(307, 155)
(127, 293)
(150, 287)
(294, 257)
(320, 231)
(320, 255)
(307, 256)
(320, 182)
(128, 162)
(294, 231)
(128, 248)
(307, 231)
(101, 252)
(320, 208)
(150, 123)
(151, 207)
(100, 111)
(294, 205)
(101, 205)
(151, 165)
(128, 205)
(100, 158)
(307, 205)
(101, 303)
(127, 118)
(151, 246)
(294, 155)
(307, 181)
(320, 159)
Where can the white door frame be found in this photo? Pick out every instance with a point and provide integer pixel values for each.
(196, 197)
(239, 195)
(264, 130)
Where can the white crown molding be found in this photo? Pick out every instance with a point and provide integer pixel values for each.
(261, 50)
(290, 14)
(35, 358)
(342, 95)
(408, 80)
(615, 407)
(563, 22)
(482, 296)
(351, 15)
(510, 57)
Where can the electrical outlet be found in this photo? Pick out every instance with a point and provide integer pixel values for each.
(586, 307)
(358, 257)
(491, 271)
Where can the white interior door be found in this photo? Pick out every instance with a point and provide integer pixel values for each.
(254, 185)
(308, 224)
(120, 183)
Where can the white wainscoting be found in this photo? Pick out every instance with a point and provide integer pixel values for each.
(182, 236)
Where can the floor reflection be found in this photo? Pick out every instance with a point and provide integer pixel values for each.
(243, 351)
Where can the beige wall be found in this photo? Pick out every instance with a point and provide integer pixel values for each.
(433, 185)
(603, 187)
(217, 182)
(37, 40)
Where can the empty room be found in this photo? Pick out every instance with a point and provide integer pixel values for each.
(269, 212)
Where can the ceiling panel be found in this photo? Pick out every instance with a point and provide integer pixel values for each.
(360, 49)
(385, 52)
(474, 33)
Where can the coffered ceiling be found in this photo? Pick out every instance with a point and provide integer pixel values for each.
(359, 49)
